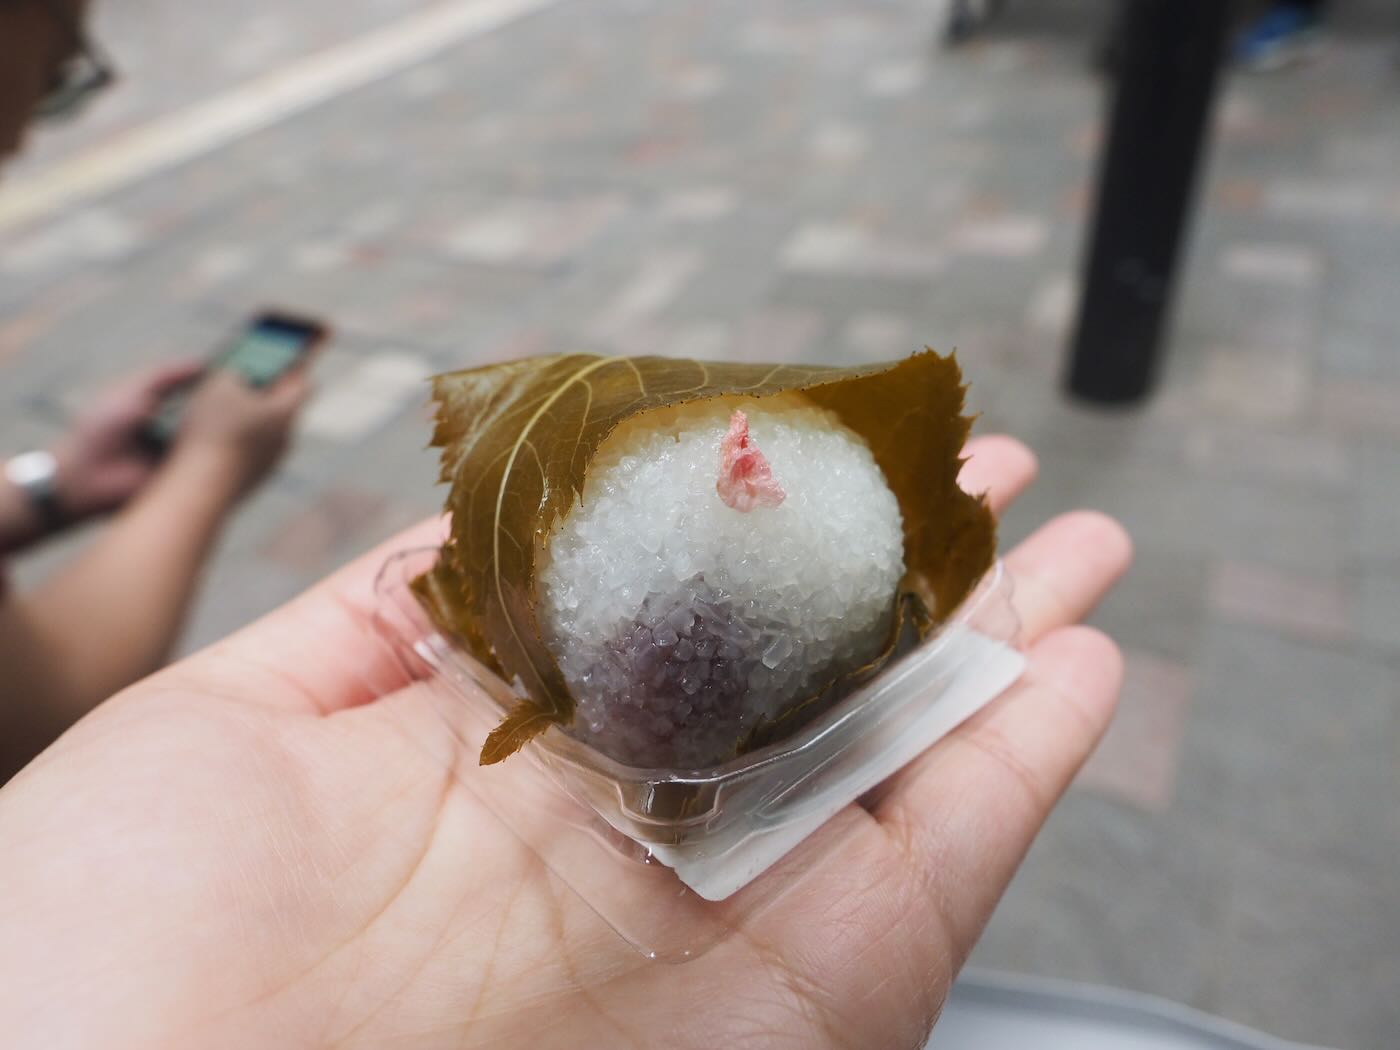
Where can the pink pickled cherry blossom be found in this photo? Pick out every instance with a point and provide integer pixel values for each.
(745, 479)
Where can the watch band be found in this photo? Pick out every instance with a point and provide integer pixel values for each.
(36, 475)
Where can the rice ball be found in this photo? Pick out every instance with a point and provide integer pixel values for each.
(726, 559)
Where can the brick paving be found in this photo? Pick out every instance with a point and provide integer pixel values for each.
(813, 180)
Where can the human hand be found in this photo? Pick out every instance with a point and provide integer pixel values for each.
(253, 848)
(243, 429)
(101, 462)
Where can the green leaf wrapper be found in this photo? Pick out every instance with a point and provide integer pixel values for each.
(517, 440)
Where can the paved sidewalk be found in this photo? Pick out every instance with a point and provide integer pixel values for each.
(811, 179)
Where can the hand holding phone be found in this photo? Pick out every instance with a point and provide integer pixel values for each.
(269, 346)
(235, 434)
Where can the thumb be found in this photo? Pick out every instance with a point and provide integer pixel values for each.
(290, 392)
(327, 639)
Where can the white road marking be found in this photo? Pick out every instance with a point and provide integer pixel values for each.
(366, 396)
(265, 100)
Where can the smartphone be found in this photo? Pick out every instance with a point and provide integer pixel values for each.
(268, 346)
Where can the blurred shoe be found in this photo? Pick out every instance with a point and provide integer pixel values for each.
(1284, 35)
(966, 17)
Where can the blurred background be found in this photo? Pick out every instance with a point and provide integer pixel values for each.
(461, 181)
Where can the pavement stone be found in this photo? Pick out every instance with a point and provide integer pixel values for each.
(1291, 746)
(1137, 761)
(1377, 615)
(1351, 926)
(1317, 609)
(1360, 408)
(1282, 264)
(1160, 608)
(1111, 895)
(1375, 511)
(1259, 385)
(1285, 455)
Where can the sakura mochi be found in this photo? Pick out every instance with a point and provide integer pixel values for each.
(679, 563)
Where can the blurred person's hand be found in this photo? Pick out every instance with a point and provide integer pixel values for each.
(254, 848)
(243, 429)
(101, 461)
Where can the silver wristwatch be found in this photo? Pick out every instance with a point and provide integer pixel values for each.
(36, 475)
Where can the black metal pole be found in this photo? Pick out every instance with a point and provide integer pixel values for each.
(1168, 66)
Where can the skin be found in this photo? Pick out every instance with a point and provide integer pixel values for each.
(33, 44)
(264, 845)
(113, 613)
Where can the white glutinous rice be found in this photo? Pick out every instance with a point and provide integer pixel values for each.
(679, 622)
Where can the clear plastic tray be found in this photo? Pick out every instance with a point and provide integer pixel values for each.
(671, 859)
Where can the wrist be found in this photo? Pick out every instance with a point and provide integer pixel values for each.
(19, 522)
(212, 469)
(32, 494)
(70, 488)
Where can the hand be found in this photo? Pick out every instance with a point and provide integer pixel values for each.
(101, 463)
(253, 848)
(242, 428)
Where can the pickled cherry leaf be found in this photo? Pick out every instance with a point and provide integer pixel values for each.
(517, 440)
(522, 723)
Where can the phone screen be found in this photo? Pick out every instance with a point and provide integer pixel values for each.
(261, 353)
(268, 348)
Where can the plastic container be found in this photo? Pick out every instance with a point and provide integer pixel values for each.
(671, 859)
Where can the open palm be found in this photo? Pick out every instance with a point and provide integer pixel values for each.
(254, 848)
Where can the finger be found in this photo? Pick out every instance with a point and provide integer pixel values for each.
(164, 378)
(321, 652)
(1065, 568)
(291, 390)
(227, 380)
(138, 395)
(1058, 575)
(999, 467)
(966, 817)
